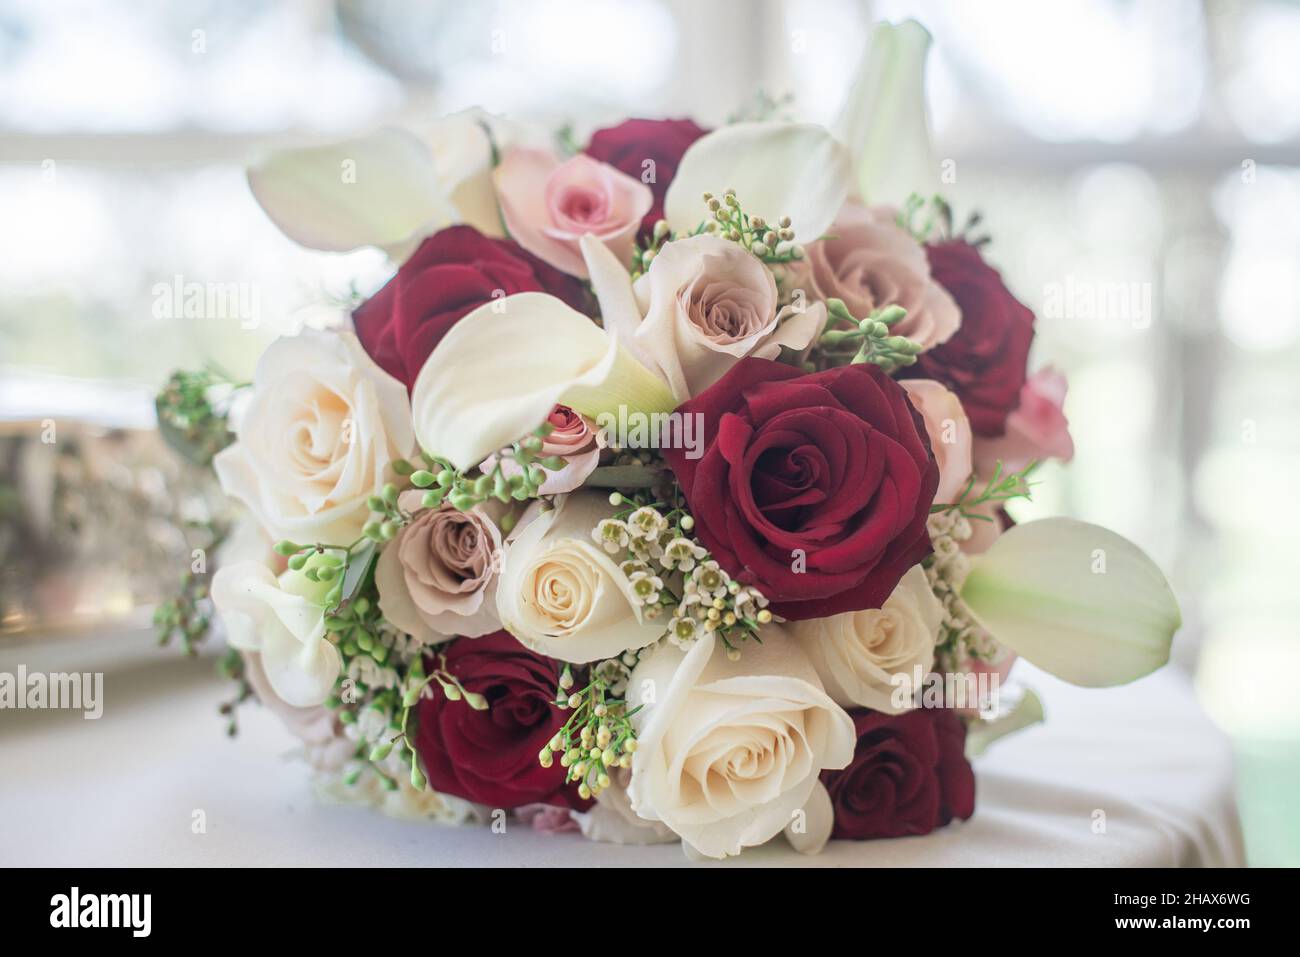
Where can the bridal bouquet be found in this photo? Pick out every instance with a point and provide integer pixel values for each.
(661, 492)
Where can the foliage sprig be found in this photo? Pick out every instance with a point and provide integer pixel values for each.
(870, 338)
(598, 737)
(773, 243)
(1001, 487)
(467, 489)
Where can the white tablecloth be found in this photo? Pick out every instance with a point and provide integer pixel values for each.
(123, 790)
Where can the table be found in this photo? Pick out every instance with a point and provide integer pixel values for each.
(122, 790)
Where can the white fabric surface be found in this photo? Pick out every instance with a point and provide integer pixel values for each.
(122, 790)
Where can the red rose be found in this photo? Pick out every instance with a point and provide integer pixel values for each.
(490, 757)
(452, 273)
(812, 488)
(985, 361)
(909, 775)
(627, 146)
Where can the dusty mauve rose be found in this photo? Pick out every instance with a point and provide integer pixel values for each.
(490, 757)
(633, 144)
(453, 272)
(869, 261)
(815, 488)
(549, 205)
(908, 775)
(1036, 430)
(949, 431)
(984, 362)
(707, 303)
(437, 577)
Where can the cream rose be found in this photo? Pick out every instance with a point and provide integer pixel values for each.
(869, 262)
(317, 438)
(283, 619)
(950, 436)
(858, 653)
(438, 577)
(708, 303)
(728, 753)
(561, 595)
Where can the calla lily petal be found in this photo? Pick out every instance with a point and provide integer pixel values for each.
(612, 284)
(377, 190)
(777, 169)
(884, 122)
(1075, 599)
(502, 369)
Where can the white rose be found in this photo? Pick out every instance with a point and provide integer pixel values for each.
(316, 438)
(858, 653)
(707, 304)
(728, 753)
(284, 620)
(561, 595)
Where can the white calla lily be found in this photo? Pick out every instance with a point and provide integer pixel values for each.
(777, 169)
(501, 370)
(1076, 600)
(463, 146)
(884, 121)
(377, 190)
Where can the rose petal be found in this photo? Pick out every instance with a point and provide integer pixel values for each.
(501, 370)
(378, 190)
(777, 169)
(261, 613)
(1075, 599)
(818, 821)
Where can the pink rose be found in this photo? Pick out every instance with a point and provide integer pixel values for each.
(949, 431)
(572, 439)
(549, 205)
(870, 261)
(547, 818)
(1036, 430)
(437, 578)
